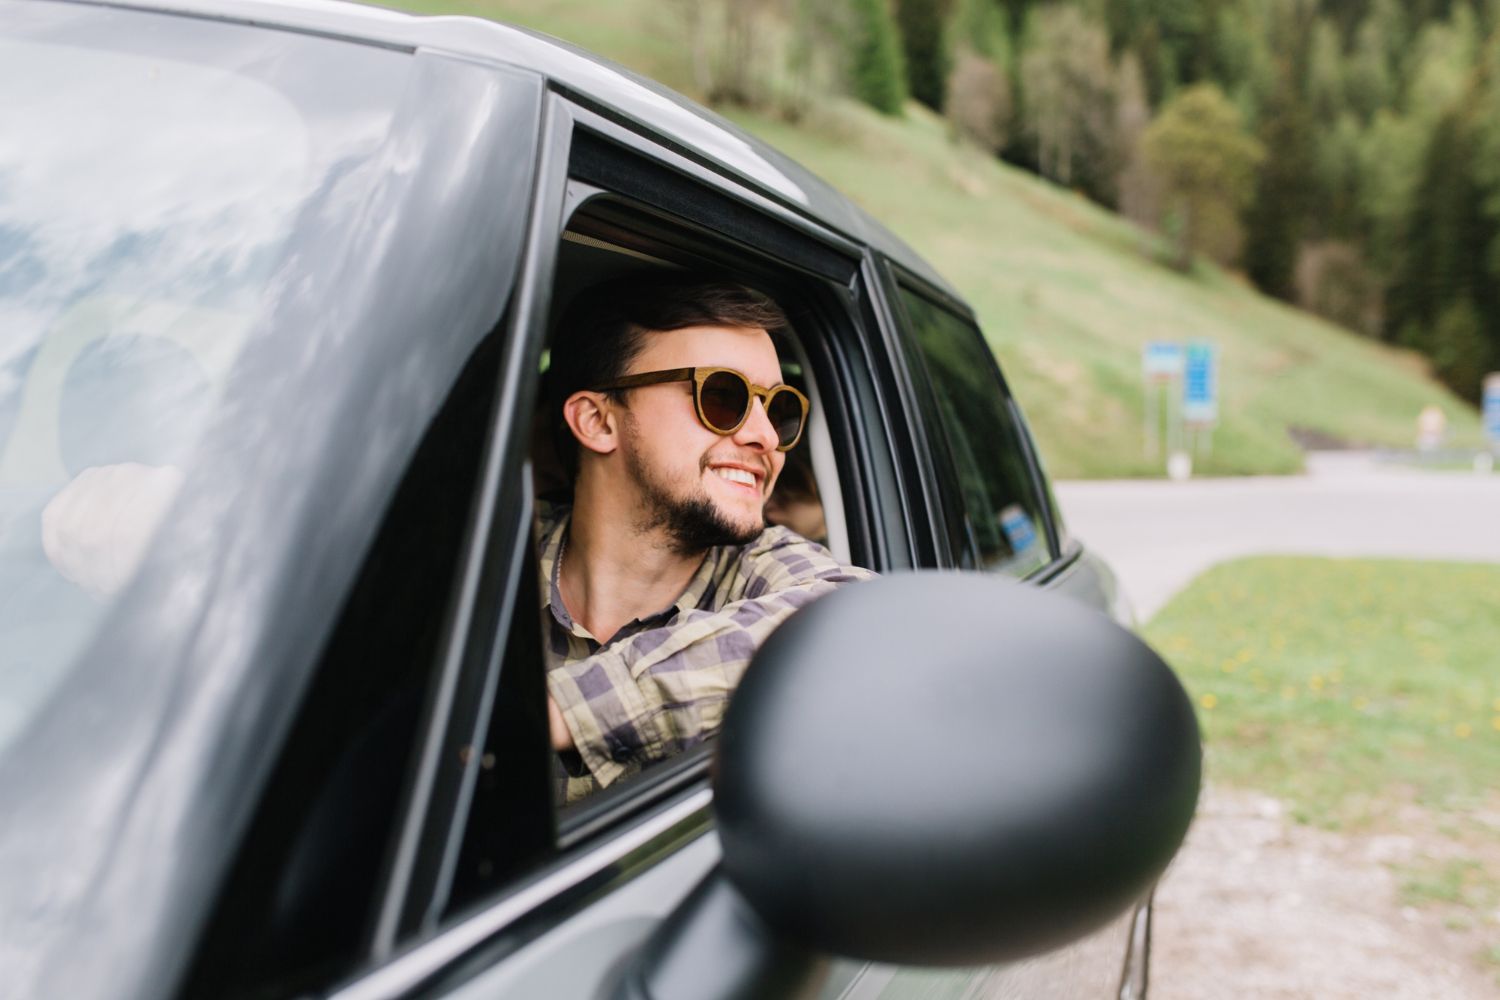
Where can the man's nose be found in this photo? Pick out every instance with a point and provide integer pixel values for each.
(757, 431)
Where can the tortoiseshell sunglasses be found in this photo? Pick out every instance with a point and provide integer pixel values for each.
(723, 398)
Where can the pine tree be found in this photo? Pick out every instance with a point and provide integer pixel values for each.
(924, 42)
(1277, 220)
(877, 74)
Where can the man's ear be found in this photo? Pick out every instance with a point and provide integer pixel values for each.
(593, 420)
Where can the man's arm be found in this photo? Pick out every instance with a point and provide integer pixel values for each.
(664, 690)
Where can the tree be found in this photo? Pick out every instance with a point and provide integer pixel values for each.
(925, 44)
(1391, 153)
(1137, 189)
(1277, 220)
(980, 25)
(877, 74)
(1206, 161)
(1325, 72)
(1443, 261)
(1369, 79)
(1067, 98)
(979, 100)
(1461, 354)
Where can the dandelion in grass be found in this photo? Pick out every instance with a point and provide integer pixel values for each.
(1463, 731)
(1315, 683)
(1208, 701)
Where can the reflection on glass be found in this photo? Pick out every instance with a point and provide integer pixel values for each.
(152, 179)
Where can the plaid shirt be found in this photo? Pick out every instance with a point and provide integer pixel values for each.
(661, 684)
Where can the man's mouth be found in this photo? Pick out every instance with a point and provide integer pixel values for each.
(738, 476)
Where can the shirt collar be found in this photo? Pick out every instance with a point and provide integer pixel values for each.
(554, 543)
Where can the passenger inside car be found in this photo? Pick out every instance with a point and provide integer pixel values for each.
(661, 576)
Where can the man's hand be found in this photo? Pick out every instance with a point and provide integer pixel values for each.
(95, 529)
(562, 740)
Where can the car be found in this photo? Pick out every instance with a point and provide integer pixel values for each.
(277, 280)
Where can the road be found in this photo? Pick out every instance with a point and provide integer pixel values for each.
(1159, 535)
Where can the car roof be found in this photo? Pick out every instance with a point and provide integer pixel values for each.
(651, 107)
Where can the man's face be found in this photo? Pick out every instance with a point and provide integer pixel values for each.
(703, 488)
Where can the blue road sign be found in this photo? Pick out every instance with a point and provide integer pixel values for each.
(1200, 383)
(1492, 409)
(1018, 528)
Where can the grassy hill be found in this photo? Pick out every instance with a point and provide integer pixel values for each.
(1067, 292)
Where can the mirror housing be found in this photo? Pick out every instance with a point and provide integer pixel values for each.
(948, 769)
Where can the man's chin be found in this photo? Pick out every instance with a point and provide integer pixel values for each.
(698, 525)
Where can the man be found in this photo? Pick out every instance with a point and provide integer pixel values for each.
(662, 578)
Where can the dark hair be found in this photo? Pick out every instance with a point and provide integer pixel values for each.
(605, 327)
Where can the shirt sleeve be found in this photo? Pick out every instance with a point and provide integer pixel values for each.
(665, 689)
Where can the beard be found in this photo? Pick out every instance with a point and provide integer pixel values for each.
(693, 523)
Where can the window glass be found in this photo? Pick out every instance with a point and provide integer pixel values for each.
(304, 886)
(128, 292)
(996, 523)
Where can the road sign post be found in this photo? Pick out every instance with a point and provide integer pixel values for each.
(1161, 370)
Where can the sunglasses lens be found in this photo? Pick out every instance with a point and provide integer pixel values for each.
(724, 400)
(787, 413)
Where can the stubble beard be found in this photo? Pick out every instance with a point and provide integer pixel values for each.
(693, 524)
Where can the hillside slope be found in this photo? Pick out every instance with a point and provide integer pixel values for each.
(1067, 292)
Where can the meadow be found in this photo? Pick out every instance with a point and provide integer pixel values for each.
(1067, 292)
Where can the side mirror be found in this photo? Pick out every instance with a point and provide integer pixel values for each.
(931, 769)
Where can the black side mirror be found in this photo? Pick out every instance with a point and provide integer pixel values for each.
(931, 769)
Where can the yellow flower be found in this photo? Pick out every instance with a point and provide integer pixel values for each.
(1229, 666)
(1495, 723)
(1288, 693)
(1208, 702)
(1462, 731)
(1360, 704)
(1315, 683)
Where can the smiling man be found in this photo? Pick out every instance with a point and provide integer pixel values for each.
(662, 578)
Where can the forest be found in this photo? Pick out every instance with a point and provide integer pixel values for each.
(1343, 155)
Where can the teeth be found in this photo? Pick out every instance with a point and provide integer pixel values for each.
(736, 476)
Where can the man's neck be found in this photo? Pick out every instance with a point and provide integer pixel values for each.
(611, 577)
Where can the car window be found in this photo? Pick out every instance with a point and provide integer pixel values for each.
(996, 521)
(605, 242)
(130, 294)
(305, 885)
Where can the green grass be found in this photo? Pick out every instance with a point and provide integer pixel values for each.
(1461, 882)
(1349, 688)
(1067, 292)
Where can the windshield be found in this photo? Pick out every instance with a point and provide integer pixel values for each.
(153, 172)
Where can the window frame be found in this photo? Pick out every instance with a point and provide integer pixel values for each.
(943, 464)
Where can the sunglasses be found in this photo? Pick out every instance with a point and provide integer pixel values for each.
(723, 397)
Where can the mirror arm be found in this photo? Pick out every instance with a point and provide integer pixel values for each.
(715, 947)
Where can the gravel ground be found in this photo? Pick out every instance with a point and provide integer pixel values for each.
(1258, 906)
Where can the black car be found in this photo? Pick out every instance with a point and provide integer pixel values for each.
(276, 283)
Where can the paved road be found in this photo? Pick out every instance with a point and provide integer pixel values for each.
(1158, 535)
